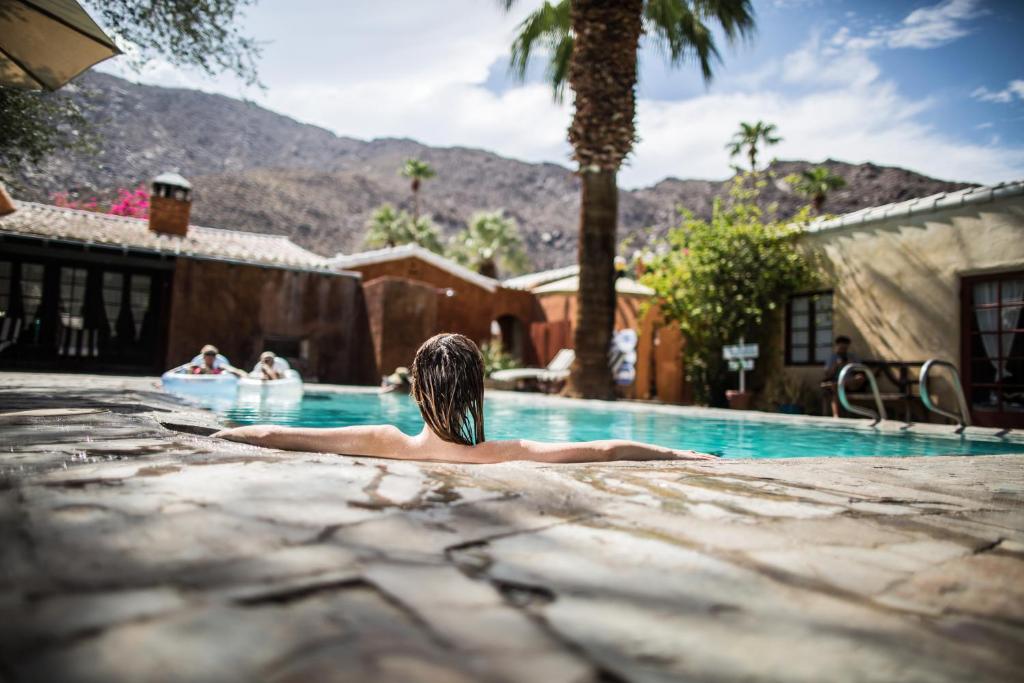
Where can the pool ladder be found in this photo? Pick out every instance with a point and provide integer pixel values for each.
(963, 419)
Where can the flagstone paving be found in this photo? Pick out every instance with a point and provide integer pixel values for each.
(134, 548)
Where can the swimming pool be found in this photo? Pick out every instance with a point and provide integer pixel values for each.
(552, 419)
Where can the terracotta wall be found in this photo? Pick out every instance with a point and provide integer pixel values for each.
(660, 372)
(237, 307)
(660, 369)
(470, 309)
(562, 306)
(402, 314)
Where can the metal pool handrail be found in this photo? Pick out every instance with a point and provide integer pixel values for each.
(964, 418)
(857, 410)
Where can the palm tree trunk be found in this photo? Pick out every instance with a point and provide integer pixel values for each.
(415, 205)
(602, 73)
(595, 316)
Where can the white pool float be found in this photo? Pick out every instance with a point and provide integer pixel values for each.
(285, 390)
(219, 388)
(226, 389)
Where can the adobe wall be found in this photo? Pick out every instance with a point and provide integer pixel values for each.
(470, 309)
(660, 370)
(467, 311)
(402, 315)
(235, 307)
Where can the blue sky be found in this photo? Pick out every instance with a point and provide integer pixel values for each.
(932, 85)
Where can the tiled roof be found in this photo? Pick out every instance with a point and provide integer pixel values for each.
(533, 280)
(921, 205)
(571, 285)
(42, 221)
(365, 258)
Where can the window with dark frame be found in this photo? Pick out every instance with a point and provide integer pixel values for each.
(809, 328)
(995, 342)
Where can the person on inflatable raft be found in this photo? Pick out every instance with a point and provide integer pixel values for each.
(211, 362)
(270, 366)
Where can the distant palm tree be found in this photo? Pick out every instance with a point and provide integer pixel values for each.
(417, 171)
(749, 136)
(390, 228)
(592, 45)
(815, 184)
(490, 239)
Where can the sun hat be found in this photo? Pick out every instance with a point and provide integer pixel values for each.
(267, 354)
(209, 348)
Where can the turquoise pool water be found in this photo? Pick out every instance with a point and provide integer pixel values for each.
(508, 418)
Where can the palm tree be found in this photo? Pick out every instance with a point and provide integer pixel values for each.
(593, 47)
(390, 228)
(489, 239)
(417, 171)
(749, 136)
(815, 184)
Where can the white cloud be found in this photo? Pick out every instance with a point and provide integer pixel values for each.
(922, 29)
(1013, 90)
(815, 64)
(930, 27)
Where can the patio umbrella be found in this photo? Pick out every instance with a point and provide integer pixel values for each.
(46, 43)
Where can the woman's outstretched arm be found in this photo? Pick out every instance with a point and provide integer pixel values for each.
(380, 441)
(385, 441)
(584, 451)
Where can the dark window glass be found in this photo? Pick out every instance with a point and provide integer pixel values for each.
(809, 329)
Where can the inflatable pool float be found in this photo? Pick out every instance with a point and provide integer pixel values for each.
(220, 388)
(286, 390)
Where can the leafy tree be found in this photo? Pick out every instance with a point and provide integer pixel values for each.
(723, 276)
(815, 184)
(390, 228)
(417, 171)
(202, 34)
(592, 46)
(490, 239)
(34, 124)
(749, 136)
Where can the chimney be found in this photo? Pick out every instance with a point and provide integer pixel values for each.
(170, 204)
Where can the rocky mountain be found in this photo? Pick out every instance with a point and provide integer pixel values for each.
(256, 170)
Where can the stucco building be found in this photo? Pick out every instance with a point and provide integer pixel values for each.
(934, 277)
(90, 292)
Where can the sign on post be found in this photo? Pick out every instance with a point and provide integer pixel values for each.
(740, 351)
(741, 357)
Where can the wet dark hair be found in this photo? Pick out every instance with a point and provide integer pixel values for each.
(448, 386)
(842, 339)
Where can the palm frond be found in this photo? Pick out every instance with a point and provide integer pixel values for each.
(681, 28)
(547, 27)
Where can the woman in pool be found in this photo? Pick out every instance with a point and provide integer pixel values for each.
(448, 386)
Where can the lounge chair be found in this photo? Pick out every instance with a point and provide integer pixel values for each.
(557, 369)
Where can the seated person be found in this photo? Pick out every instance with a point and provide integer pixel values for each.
(270, 366)
(397, 381)
(448, 385)
(211, 362)
(836, 362)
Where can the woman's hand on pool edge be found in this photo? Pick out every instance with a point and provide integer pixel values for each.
(695, 455)
(251, 434)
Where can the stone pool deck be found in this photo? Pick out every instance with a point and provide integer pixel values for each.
(134, 548)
